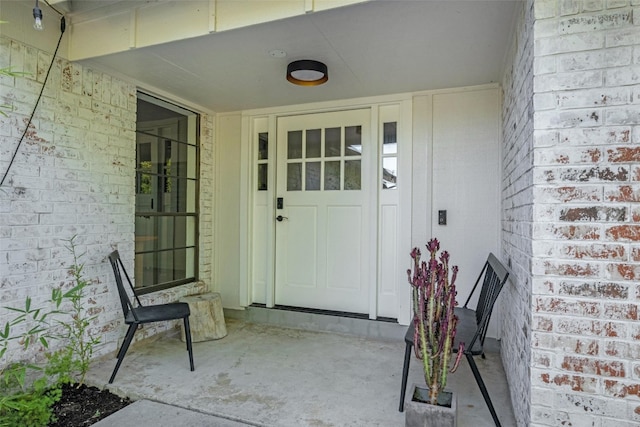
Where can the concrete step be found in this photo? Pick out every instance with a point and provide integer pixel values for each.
(322, 321)
(330, 321)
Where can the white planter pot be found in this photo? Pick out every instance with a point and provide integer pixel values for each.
(418, 413)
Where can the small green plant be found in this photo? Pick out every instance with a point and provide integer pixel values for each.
(79, 341)
(28, 391)
(23, 403)
(434, 300)
(35, 324)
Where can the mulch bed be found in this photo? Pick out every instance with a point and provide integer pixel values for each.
(84, 406)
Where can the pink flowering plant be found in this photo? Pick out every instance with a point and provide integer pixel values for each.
(434, 299)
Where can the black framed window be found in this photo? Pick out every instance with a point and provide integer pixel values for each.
(166, 220)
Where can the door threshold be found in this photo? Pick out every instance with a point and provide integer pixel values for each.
(326, 312)
(312, 319)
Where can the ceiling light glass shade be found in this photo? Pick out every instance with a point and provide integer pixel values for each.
(307, 72)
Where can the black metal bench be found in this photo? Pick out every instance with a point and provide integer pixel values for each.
(472, 326)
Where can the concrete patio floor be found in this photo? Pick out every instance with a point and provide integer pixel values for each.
(266, 375)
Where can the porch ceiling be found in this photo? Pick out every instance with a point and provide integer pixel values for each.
(372, 48)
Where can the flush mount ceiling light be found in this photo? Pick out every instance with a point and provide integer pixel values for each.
(307, 72)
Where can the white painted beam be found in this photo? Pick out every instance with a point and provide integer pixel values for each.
(115, 28)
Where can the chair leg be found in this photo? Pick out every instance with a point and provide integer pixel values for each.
(483, 388)
(187, 334)
(123, 349)
(405, 374)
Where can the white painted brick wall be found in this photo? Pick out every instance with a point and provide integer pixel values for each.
(518, 211)
(207, 185)
(74, 175)
(585, 339)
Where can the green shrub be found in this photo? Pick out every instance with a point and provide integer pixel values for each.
(22, 404)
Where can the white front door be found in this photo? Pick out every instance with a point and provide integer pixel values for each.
(324, 189)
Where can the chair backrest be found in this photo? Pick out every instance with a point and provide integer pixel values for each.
(118, 270)
(493, 276)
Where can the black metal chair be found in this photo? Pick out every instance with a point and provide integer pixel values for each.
(472, 326)
(136, 316)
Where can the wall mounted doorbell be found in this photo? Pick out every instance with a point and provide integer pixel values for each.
(442, 217)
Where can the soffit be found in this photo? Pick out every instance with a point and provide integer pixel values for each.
(372, 48)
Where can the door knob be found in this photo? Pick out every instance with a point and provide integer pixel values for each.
(279, 218)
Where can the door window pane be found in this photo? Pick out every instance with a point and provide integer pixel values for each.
(389, 141)
(352, 180)
(332, 176)
(312, 176)
(294, 145)
(294, 177)
(263, 146)
(389, 172)
(262, 177)
(313, 144)
(353, 140)
(332, 142)
(389, 156)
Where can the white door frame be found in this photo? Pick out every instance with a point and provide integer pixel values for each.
(268, 119)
